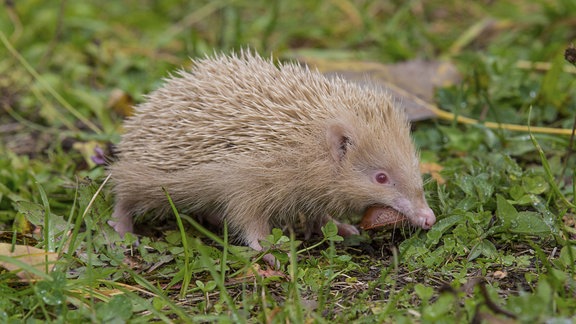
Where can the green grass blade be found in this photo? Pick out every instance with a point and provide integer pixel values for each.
(187, 274)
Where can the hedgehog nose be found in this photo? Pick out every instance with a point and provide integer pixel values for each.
(428, 217)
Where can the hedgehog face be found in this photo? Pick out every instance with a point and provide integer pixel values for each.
(388, 189)
(379, 175)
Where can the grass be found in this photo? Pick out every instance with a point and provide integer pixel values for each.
(504, 244)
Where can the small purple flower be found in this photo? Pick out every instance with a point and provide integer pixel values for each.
(98, 156)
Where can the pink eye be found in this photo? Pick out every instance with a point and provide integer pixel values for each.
(381, 178)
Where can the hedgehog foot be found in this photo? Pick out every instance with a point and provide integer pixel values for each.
(121, 220)
(254, 235)
(344, 229)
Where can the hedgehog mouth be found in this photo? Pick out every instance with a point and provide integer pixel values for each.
(377, 216)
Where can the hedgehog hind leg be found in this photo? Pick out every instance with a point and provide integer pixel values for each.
(121, 219)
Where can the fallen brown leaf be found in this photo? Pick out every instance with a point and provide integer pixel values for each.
(433, 169)
(37, 258)
(376, 217)
(500, 274)
(254, 270)
(412, 84)
(408, 83)
(121, 102)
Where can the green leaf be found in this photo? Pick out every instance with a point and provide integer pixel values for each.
(550, 89)
(529, 223)
(423, 292)
(520, 223)
(568, 257)
(50, 294)
(485, 248)
(330, 231)
(505, 212)
(35, 214)
(51, 291)
(211, 285)
(117, 310)
(158, 303)
(438, 311)
(275, 240)
(436, 232)
(535, 185)
(278, 236)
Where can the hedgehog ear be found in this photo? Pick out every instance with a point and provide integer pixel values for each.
(339, 141)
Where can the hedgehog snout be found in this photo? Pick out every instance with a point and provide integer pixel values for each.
(420, 216)
(426, 217)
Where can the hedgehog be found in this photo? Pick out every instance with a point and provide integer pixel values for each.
(262, 144)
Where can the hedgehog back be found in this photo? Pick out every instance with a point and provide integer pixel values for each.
(232, 106)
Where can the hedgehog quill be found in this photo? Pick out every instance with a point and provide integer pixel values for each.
(241, 139)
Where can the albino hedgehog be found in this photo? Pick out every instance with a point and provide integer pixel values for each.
(241, 139)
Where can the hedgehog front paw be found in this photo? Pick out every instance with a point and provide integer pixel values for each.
(346, 230)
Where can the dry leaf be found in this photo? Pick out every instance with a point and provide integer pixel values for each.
(485, 317)
(409, 83)
(500, 274)
(37, 258)
(251, 272)
(121, 102)
(433, 169)
(376, 217)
